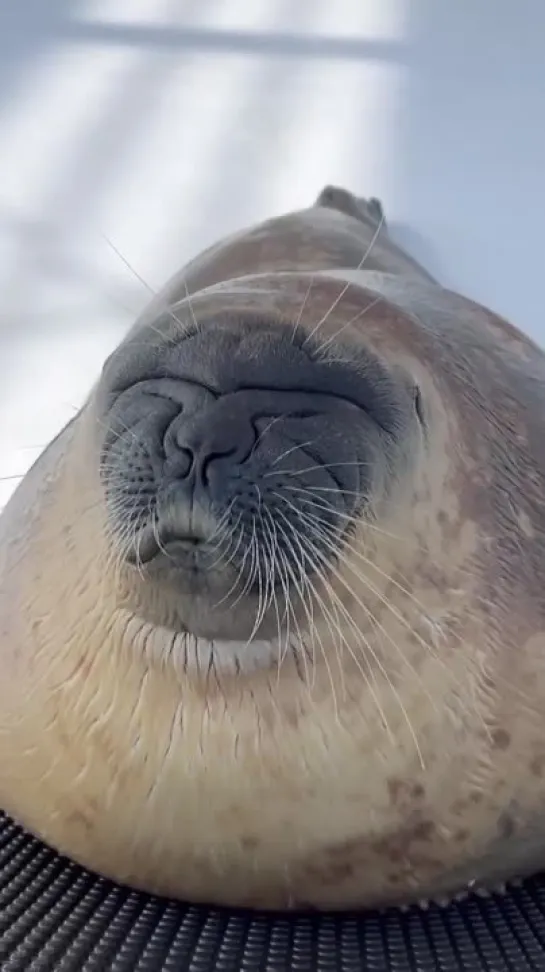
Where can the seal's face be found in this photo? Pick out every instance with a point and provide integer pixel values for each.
(238, 458)
(325, 486)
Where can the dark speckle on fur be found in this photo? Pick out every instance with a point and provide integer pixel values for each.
(537, 766)
(501, 739)
(506, 825)
(403, 792)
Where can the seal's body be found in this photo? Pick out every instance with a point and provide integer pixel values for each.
(272, 624)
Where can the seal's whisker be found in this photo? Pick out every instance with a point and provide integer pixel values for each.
(304, 556)
(309, 518)
(241, 569)
(372, 617)
(262, 589)
(254, 567)
(110, 430)
(284, 573)
(217, 537)
(366, 649)
(347, 286)
(272, 547)
(126, 539)
(334, 629)
(296, 473)
(225, 531)
(275, 560)
(220, 525)
(228, 531)
(298, 648)
(308, 605)
(145, 284)
(154, 520)
(279, 561)
(324, 345)
(118, 497)
(332, 622)
(310, 553)
(262, 434)
(115, 553)
(191, 308)
(347, 519)
(138, 552)
(302, 309)
(325, 656)
(336, 490)
(290, 451)
(365, 523)
(308, 610)
(428, 646)
(334, 597)
(348, 546)
(249, 552)
(348, 543)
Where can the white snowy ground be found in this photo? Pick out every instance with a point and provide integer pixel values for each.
(161, 124)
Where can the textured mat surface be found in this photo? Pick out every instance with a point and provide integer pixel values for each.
(55, 917)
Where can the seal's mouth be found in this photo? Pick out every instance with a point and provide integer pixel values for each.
(165, 547)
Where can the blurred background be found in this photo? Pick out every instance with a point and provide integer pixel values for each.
(152, 127)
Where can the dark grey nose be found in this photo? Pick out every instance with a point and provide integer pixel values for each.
(205, 450)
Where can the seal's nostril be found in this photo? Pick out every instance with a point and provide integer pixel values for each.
(181, 463)
(209, 458)
(185, 461)
(210, 444)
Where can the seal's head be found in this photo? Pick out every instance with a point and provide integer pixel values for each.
(238, 457)
(271, 607)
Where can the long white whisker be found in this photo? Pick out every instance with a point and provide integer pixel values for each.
(334, 596)
(144, 283)
(347, 286)
(344, 327)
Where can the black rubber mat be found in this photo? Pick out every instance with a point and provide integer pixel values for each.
(56, 917)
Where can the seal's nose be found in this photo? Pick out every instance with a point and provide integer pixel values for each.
(207, 449)
(205, 452)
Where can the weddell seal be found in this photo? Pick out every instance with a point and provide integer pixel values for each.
(272, 621)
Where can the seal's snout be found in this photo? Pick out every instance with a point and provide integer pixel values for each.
(207, 449)
(237, 458)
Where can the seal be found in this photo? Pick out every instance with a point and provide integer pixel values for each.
(272, 622)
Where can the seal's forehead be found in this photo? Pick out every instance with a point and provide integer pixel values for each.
(313, 240)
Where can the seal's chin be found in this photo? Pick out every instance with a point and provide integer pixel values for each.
(227, 657)
(189, 651)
